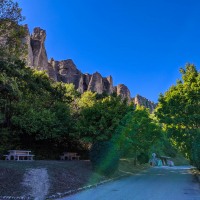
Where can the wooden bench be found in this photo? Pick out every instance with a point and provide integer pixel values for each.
(19, 155)
(69, 156)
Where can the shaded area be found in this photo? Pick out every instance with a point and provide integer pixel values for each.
(9, 181)
(164, 183)
(62, 176)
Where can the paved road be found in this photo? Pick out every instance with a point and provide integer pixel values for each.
(163, 183)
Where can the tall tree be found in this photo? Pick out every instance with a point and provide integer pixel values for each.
(88, 99)
(179, 109)
(11, 33)
(137, 133)
(10, 10)
(32, 108)
(98, 122)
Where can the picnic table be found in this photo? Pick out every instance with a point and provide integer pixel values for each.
(69, 156)
(167, 161)
(19, 155)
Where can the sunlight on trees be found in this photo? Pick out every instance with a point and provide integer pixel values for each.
(179, 110)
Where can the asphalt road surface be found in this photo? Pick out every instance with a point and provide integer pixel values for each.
(159, 183)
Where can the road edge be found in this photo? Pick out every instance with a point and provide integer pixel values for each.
(65, 194)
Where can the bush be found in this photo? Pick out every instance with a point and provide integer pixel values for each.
(169, 149)
(196, 152)
(104, 157)
(143, 158)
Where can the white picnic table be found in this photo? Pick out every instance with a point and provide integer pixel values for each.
(19, 155)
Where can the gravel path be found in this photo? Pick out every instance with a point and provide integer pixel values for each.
(37, 181)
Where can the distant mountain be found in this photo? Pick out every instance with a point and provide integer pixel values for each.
(67, 72)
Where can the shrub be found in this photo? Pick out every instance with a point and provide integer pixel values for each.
(169, 149)
(196, 152)
(104, 157)
(143, 158)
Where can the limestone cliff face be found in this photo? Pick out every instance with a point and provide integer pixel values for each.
(108, 85)
(123, 91)
(64, 70)
(100, 84)
(96, 83)
(27, 41)
(86, 81)
(38, 48)
(67, 72)
(142, 101)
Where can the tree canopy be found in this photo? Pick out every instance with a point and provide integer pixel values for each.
(137, 132)
(11, 33)
(179, 109)
(10, 10)
(99, 119)
(51, 117)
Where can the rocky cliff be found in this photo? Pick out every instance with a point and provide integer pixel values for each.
(142, 101)
(67, 72)
(123, 91)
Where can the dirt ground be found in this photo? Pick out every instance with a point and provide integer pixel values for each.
(21, 179)
(62, 176)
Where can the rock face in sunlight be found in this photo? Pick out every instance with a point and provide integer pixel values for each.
(37, 56)
(100, 84)
(142, 101)
(64, 70)
(38, 49)
(67, 72)
(123, 91)
(27, 41)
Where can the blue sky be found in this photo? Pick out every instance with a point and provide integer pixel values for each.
(141, 43)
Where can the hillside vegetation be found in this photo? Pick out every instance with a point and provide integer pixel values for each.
(50, 117)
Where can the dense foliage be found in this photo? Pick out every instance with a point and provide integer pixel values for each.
(104, 157)
(31, 113)
(50, 118)
(11, 33)
(38, 114)
(10, 11)
(196, 151)
(179, 110)
(137, 133)
(99, 118)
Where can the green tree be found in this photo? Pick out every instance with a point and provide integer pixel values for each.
(32, 108)
(137, 133)
(98, 122)
(11, 33)
(9, 89)
(10, 11)
(179, 109)
(65, 92)
(88, 99)
(196, 151)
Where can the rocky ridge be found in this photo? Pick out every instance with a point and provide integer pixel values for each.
(142, 101)
(67, 72)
